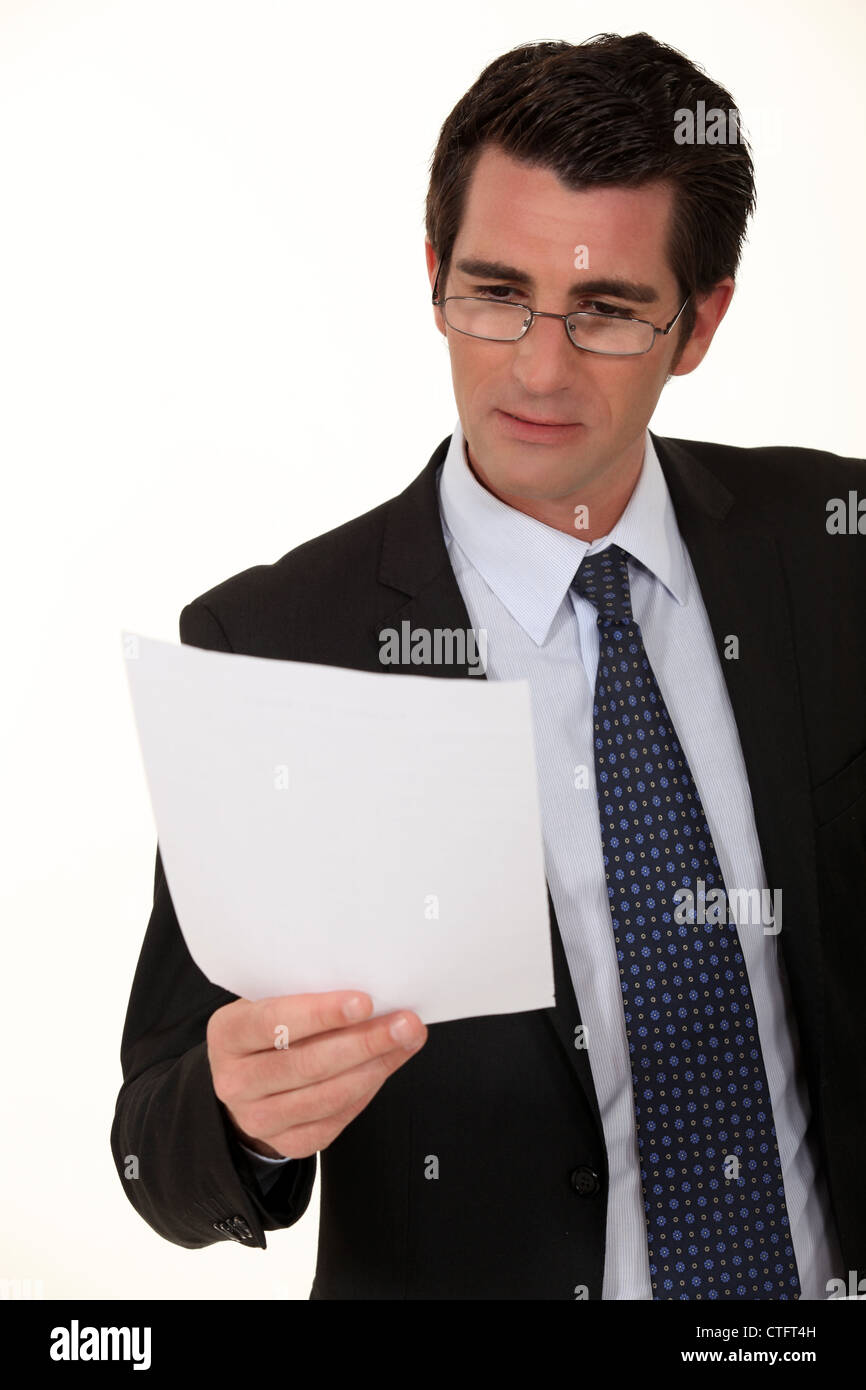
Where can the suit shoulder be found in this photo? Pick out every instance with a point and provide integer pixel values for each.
(777, 476)
(337, 561)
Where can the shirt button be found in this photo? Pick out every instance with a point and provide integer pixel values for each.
(585, 1181)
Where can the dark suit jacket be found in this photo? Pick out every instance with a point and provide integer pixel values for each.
(507, 1102)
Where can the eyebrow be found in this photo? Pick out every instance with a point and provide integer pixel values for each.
(616, 288)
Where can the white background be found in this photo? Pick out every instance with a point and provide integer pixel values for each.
(190, 195)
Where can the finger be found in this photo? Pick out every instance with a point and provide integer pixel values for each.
(317, 1059)
(304, 1141)
(260, 1025)
(315, 1115)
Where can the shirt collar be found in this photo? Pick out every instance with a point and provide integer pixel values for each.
(530, 566)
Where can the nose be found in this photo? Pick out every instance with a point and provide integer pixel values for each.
(545, 359)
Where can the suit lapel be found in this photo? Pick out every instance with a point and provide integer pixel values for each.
(739, 570)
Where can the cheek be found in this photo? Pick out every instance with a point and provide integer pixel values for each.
(473, 365)
(626, 390)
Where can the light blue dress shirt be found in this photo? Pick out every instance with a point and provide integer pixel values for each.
(515, 575)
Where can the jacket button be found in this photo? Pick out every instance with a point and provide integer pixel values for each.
(585, 1181)
(234, 1227)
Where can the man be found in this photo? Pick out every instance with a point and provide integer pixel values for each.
(688, 1121)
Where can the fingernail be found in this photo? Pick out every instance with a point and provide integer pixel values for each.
(403, 1032)
(355, 1008)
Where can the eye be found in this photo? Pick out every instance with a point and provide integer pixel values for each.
(494, 291)
(599, 306)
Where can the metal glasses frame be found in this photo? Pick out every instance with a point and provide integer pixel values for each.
(543, 314)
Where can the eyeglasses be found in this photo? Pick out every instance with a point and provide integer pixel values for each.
(503, 321)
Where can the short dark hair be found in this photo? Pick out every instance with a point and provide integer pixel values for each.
(603, 112)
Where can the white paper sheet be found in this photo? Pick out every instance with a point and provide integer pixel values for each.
(322, 828)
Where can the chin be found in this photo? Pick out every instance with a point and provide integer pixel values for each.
(535, 483)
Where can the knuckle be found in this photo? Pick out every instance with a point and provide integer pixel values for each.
(254, 1118)
(306, 1065)
(375, 1041)
(326, 1014)
(347, 1091)
(259, 1073)
(214, 1030)
(222, 1023)
(218, 1079)
(228, 1085)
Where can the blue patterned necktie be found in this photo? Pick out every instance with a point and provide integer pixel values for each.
(700, 1088)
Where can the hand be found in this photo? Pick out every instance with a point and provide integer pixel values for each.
(292, 1071)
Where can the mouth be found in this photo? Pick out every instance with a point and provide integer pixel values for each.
(535, 428)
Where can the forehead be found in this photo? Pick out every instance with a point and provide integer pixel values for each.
(525, 215)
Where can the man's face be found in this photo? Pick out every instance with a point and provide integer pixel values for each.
(526, 219)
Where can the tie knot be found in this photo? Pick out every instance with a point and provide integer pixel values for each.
(603, 579)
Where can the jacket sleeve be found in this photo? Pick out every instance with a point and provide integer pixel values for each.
(173, 1145)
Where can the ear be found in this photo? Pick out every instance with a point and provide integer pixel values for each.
(432, 264)
(710, 310)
